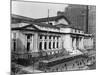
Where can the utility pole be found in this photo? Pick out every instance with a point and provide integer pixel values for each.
(87, 13)
(48, 16)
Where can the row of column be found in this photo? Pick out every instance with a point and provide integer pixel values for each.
(77, 43)
(49, 42)
(82, 43)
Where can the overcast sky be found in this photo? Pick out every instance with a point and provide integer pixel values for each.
(36, 10)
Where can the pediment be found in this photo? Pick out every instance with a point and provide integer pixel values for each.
(30, 27)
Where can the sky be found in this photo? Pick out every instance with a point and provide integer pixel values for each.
(36, 10)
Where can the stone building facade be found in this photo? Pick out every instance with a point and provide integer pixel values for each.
(36, 36)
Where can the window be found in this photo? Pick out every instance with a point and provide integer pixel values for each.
(40, 36)
(14, 44)
(28, 46)
(54, 37)
(49, 37)
(28, 36)
(45, 45)
(80, 63)
(40, 46)
(65, 65)
(57, 38)
(51, 23)
(49, 45)
(45, 37)
(57, 44)
(53, 44)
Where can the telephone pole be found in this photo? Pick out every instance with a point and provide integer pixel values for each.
(48, 16)
(87, 13)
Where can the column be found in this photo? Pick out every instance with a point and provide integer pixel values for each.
(31, 44)
(43, 42)
(71, 42)
(59, 44)
(92, 42)
(25, 43)
(47, 42)
(36, 42)
(55, 42)
(51, 42)
(87, 43)
(74, 43)
(79, 43)
(82, 43)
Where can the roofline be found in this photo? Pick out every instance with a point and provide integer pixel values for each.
(51, 17)
(21, 28)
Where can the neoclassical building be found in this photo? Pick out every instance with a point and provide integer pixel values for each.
(47, 36)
